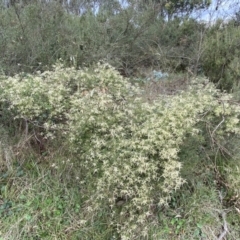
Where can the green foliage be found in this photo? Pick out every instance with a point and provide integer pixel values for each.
(176, 44)
(32, 37)
(39, 208)
(231, 172)
(175, 7)
(36, 35)
(220, 58)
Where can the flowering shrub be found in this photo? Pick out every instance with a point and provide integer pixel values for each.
(41, 99)
(132, 147)
(127, 149)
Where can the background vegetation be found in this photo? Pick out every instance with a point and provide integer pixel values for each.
(118, 120)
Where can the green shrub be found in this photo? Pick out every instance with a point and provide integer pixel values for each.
(220, 58)
(36, 34)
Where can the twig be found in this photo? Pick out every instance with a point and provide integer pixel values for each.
(225, 227)
(215, 129)
(223, 215)
(223, 119)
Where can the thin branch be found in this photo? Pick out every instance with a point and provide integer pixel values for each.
(225, 226)
(215, 129)
(223, 120)
(223, 215)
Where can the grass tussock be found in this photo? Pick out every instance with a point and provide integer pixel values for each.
(43, 201)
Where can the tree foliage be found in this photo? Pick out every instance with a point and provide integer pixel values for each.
(220, 59)
(36, 34)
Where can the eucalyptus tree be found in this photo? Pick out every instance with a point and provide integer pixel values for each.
(169, 9)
